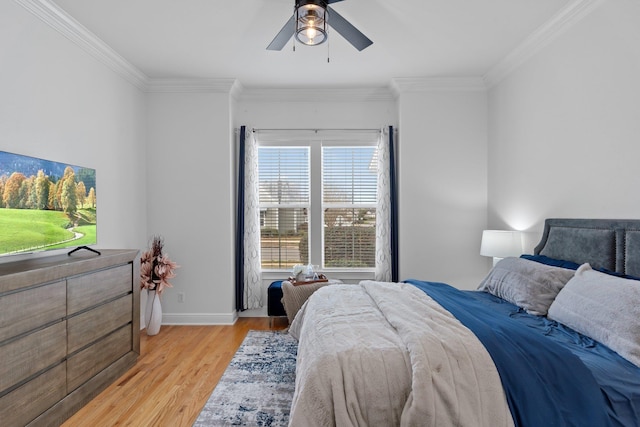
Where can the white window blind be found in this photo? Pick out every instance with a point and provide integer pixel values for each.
(318, 198)
(284, 183)
(349, 184)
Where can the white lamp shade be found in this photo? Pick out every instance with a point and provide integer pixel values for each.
(501, 243)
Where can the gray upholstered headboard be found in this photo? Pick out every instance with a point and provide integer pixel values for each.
(613, 244)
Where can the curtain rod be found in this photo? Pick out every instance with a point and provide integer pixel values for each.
(316, 130)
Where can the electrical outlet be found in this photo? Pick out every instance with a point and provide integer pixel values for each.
(180, 296)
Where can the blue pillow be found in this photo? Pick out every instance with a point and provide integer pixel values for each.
(542, 259)
(572, 265)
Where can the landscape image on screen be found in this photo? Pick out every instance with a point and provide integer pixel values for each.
(45, 205)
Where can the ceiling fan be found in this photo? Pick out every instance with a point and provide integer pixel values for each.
(309, 26)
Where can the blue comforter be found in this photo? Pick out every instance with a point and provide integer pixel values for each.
(552, 376)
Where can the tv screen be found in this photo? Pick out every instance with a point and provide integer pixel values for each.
(45, 205)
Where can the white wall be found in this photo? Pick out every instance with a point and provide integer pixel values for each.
(190, 201)
(443, 186)
(187, 134)
(59, 103)
(347, 110)
(564, 127)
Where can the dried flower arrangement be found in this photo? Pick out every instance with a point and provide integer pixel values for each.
(156, 268)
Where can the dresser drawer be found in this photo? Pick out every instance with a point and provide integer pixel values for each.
(91, 325)
(31, 399)
(88, 362)
(92, 289)
(69, 327)
(27, 310)
(28, 355)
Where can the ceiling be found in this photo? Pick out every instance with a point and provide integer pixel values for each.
(212, 39)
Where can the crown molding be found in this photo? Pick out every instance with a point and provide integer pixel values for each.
(318, 94)
(58, 19)
(436, 84)
(236, 90)
(568, 16)
(191, 85)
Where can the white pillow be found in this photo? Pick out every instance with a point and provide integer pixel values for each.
(603, 307)
(527, 284)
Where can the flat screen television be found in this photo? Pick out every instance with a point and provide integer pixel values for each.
(45, 205)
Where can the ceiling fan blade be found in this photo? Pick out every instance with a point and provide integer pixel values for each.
(283, 36)
(348, 31)
(333, 1)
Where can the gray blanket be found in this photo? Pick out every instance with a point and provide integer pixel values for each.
(385, 354)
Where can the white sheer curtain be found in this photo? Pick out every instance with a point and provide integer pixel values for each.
(252, 272)
(383, 211)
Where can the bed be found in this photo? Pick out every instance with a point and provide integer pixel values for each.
(551, 338)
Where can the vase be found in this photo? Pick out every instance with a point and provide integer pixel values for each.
(153, 313)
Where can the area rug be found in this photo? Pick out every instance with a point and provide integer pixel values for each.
(257, 387)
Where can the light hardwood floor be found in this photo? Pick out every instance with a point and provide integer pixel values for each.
(176, 372)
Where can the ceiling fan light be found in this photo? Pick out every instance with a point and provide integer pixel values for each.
(311, 24)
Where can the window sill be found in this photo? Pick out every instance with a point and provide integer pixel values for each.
(347, 276)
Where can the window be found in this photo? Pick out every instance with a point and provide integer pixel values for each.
(318, 201)
(284, 190)
(349, 181)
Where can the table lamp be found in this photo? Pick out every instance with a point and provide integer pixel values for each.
(501, 244)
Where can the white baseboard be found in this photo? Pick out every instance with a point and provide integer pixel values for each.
(199, 319)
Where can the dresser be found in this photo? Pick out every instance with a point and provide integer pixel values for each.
(69, 327)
